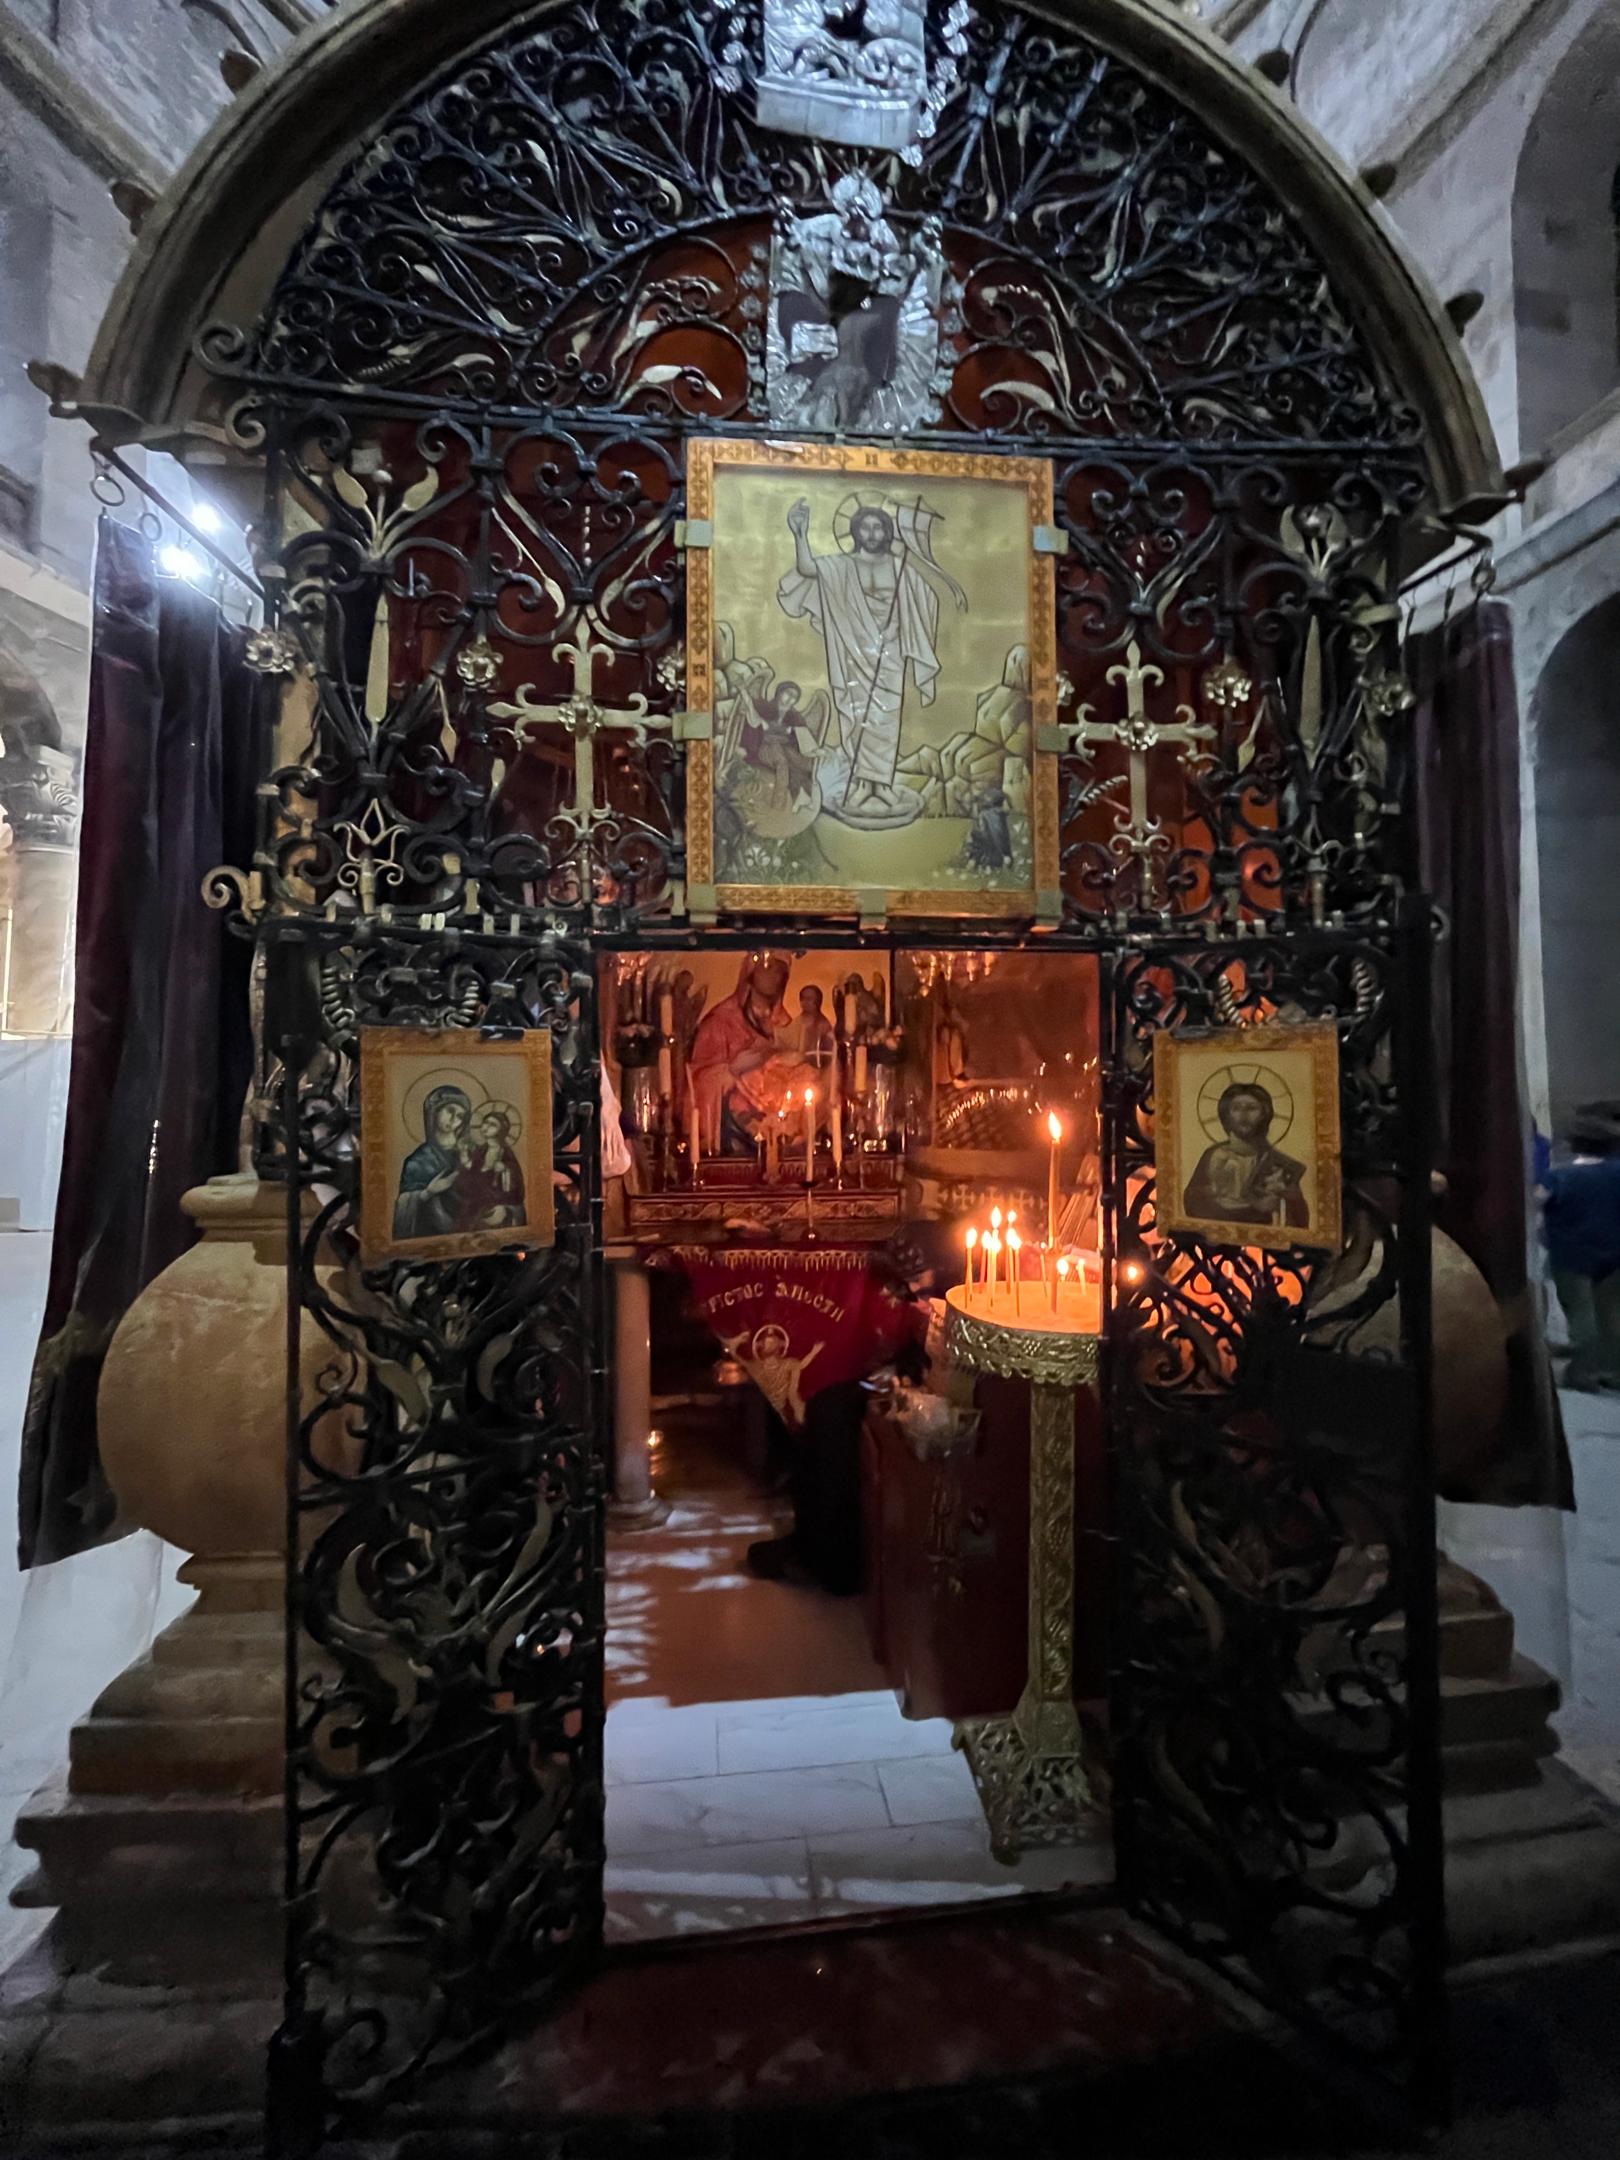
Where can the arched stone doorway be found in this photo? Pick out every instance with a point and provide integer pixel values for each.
(1576, 748)
(452, 298)
(1566, 242)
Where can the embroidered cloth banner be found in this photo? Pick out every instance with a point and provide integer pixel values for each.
(800, 1319)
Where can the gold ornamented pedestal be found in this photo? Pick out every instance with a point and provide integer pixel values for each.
(1029, 1767)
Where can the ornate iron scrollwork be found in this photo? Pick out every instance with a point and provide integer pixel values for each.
(472, 391)
(1275, 1769)
(446, 1734)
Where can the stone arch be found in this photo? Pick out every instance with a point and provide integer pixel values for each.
(1566, 255)
(215, 247)
(1576, 747)
(26, 235)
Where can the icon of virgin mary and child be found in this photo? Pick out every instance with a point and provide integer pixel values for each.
(752, 1055)
(465, 1175)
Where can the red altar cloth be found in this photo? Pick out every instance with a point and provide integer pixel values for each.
(800, 1318)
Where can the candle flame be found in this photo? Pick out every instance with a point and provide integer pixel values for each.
(809, 1095)
(1014, 1242)
(972, 1238)
(1054, 1125)
(1063, 1267)
(995, 1218)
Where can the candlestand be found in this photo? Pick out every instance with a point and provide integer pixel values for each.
(1029, 1767)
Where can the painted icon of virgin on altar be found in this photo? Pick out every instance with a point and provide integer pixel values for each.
(755, 1052)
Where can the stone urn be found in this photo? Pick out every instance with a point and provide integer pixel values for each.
(192, 1411)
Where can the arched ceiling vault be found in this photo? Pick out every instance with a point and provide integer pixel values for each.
(215, 245)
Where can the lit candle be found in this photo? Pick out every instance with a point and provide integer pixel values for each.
(1062, 1276)
(993, 1247)
(835, 1121)
(860, 1068)
(1054, 1125)
(972, 1248)
(1015, 1249)
(666, 1047)
(694, 1133)
(809, 1134)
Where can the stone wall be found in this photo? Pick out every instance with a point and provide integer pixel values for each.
(1503, 120)
(93, 93)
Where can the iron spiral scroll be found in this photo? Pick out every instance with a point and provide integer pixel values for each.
(471, 392)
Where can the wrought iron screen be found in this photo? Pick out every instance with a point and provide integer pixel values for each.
(1275, 1689)
(472, 392)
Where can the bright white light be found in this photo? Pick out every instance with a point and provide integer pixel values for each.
(206, 518)
(181, 562)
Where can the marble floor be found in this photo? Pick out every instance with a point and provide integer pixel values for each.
(759, 1772)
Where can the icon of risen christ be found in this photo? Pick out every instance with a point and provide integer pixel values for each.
(878, 615)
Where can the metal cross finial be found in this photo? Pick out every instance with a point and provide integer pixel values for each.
(1138, 832)
(584, 718)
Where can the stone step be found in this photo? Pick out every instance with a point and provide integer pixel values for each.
(97, 1847)
(1475, 1712)
(1473, 1645)
(156, 1755)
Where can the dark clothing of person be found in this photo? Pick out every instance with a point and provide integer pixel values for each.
(824, 1482)
(1582, 1218)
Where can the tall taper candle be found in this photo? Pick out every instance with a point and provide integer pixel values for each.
(666, 1046)
(1054, 1125)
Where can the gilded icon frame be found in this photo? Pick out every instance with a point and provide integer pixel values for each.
(521, 1065)
(1189, 1064)
(711, 892)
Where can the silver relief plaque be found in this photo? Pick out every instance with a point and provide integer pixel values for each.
(853, 325)
(856, 71)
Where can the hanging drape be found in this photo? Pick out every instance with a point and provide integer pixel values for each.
(161, 1034)
(1468, 750)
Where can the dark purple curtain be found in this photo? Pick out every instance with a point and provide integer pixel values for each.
(161, 1034)
(1468, 751)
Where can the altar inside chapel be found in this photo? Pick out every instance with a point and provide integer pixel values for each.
(798, 1704)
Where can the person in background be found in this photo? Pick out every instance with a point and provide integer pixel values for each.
(825, 1549)
(1581, 1224)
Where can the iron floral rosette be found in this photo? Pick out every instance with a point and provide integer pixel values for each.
(1006, 1349)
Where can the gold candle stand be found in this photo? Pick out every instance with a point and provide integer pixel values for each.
(1029, 1768)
